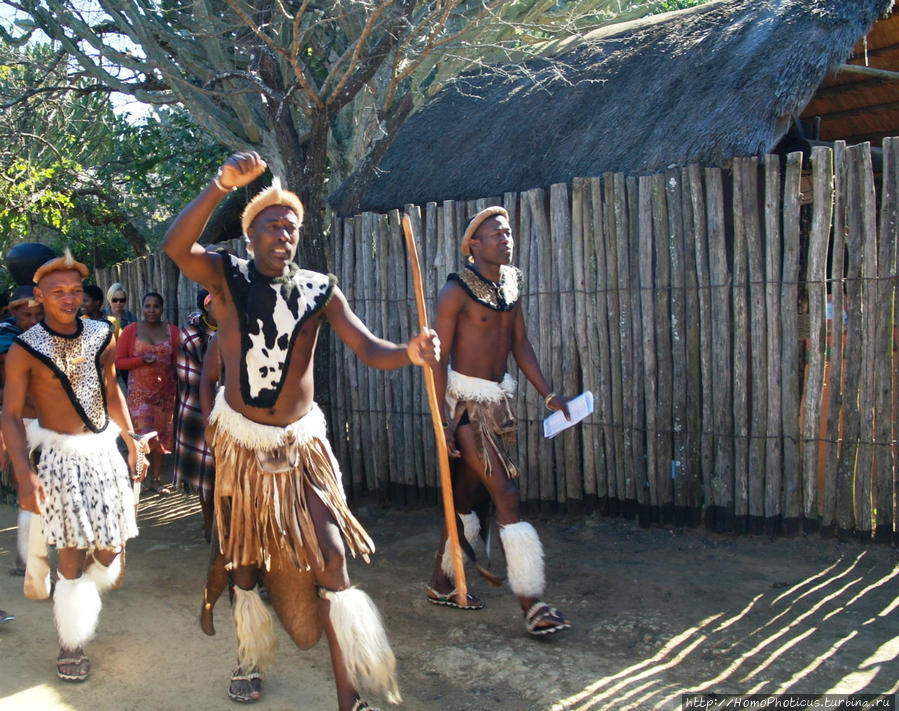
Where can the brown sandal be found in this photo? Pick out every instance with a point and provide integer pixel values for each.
(64, 670)
(541, 619)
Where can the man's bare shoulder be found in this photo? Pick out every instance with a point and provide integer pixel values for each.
(18, 356)
(452, 292)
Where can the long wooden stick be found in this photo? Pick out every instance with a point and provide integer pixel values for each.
(446, 484)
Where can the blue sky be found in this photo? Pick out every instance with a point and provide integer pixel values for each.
(123, 105)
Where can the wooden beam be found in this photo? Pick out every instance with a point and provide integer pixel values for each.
(884, 74)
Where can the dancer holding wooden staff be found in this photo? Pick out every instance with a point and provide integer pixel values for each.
(460, 594)
(479, 322)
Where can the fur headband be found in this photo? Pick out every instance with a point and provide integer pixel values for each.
(23, 296)
(61, 264)
(476, 221)
(274, 195)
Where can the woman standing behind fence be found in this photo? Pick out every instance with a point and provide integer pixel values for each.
(147, 351)
(194, 466)
(118, 301)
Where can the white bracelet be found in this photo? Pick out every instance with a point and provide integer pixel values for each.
(218, 184)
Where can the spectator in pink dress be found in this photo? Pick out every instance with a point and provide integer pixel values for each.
(147, 351)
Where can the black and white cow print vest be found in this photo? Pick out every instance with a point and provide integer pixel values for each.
(271, 312)
(75, 360)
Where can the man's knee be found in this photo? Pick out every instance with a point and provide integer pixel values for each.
(507, 501)
(334, 572)
(245, 577)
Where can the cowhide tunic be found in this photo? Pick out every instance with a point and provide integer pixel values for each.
(271, 310)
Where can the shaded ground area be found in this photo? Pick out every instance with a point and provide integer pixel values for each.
(656, 612)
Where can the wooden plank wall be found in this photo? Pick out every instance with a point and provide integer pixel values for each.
(694, 305)
(697, 305)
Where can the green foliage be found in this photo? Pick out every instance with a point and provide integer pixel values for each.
(73, 172)
(669, 5)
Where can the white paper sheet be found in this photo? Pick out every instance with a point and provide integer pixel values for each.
(578, 408)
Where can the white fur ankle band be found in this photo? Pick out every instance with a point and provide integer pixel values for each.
(524, 559)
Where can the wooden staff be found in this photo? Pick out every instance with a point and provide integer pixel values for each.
(446, 484)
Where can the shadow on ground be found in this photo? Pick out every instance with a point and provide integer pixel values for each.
(656, 612)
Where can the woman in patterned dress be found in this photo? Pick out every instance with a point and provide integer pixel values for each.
(147, 351)
(194, 467)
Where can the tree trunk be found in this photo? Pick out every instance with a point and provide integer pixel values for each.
(305, 175)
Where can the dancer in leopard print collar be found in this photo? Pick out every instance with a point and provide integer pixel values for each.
(80, 487)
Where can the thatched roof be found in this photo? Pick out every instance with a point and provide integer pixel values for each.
(694, 86)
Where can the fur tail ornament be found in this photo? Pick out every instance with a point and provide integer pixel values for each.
(256, 641)
(369, 659)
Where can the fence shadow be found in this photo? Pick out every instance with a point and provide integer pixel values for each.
(830, 633)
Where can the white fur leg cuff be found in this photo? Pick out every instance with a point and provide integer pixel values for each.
(37, 565)
(105, 576)
(524, 559)
(256, 641)
(471, 525)
(76, 608)
(369, 660)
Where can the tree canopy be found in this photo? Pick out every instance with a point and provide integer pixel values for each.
(319, 89)
(74, 172)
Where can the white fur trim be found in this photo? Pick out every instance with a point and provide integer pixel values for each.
(467, 387)
(256, 641)
(259, 437)
(37, 564)
(524, 559)
(79, 445)
(105, 576)
(76, 608)
(23, 526)
(369, 660)
(471, 525)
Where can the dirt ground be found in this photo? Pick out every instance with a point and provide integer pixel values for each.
(656, 612)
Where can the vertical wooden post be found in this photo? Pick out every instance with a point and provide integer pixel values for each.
(886, 324)
(616, 474)
(864, 473)
(834, 188)
(757, 361)
(678, 326)
(793, 506)
(773, 262)
(662, 325)
(647, 313)
(604, 394)
(846, 468)
(636, 403)
(721, 516)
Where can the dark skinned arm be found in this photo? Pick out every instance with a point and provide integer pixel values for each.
(180, 241)
(449, 304)
(18, 375)
(373, 351)
(524, 355)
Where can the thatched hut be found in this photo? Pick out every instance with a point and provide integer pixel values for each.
(674, 269)
(697, 86)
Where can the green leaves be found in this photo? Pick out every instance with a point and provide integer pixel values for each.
(73, 172)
